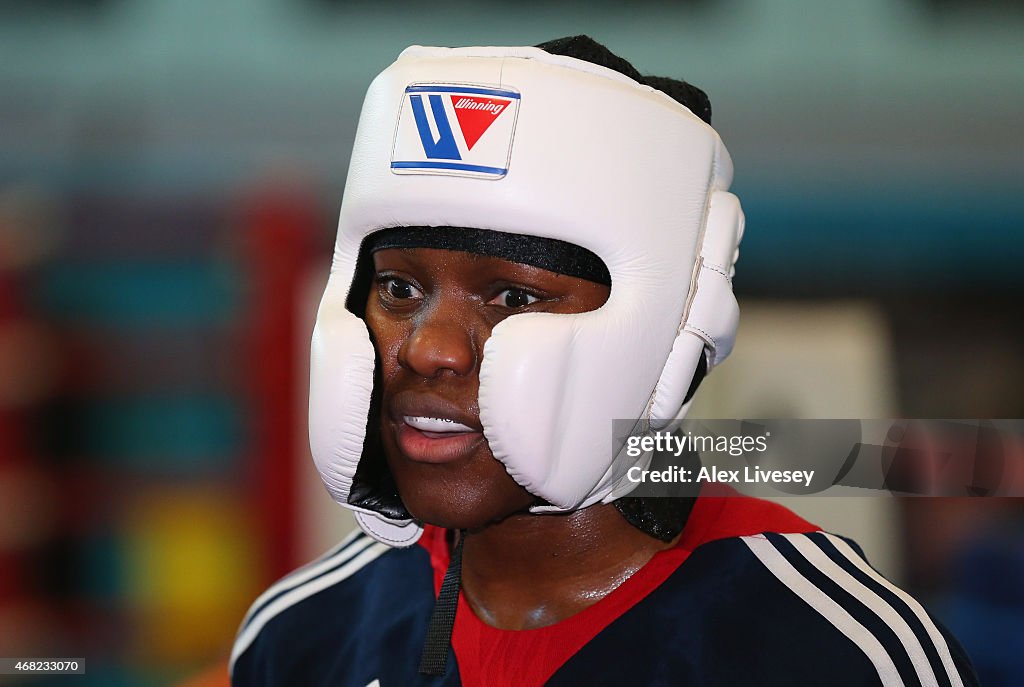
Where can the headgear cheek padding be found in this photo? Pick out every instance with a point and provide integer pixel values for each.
(575, 152)
(343, 357)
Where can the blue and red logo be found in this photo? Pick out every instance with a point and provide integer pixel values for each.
(455, 129)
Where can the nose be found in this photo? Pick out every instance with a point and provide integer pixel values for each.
(440, 340)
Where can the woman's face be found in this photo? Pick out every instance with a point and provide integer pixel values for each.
(430, 313)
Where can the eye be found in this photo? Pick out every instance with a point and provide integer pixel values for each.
(514, 298)
(395, 289)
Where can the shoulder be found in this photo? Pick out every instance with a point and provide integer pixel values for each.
(765, 598)
(314, 620)
(809, 603)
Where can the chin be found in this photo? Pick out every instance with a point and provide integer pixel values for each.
(466, 498)
(461, 509)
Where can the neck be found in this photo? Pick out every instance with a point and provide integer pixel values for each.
(528, 571)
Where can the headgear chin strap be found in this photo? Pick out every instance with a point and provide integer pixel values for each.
(521, 141)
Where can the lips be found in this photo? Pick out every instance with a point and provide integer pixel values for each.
(430, 429)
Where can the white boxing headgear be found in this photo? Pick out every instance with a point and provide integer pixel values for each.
(522, 141)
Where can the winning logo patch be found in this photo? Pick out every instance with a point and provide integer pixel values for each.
(455, 129)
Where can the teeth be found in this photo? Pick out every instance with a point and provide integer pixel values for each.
(435, 424)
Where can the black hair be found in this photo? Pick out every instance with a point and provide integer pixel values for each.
(587, 49)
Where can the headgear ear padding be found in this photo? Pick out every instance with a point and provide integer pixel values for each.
(521, 141)
(712, 314)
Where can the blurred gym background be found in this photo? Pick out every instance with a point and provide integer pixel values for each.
(170, 176)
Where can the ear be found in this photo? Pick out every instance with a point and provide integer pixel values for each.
(711, 316)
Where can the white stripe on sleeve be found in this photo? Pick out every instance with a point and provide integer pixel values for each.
(826, 606)
(912, 603)
(820, 560)
(349, 547)
(249, 634)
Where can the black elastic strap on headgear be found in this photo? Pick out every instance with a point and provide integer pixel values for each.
(553, 255)
(662, 518)
(442, 619)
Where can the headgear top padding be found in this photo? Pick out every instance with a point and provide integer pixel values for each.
(521, 141)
